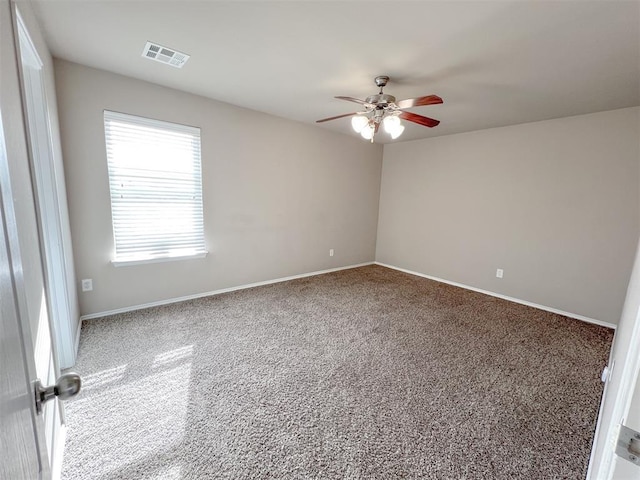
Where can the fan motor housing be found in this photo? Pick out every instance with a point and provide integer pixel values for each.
(380, 99)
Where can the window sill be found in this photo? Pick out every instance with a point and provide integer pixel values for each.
(142, 261)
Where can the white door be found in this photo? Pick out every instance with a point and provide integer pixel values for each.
(22, 445)
(621, 400)
(623, 469)
(25, 343)
(45, 181)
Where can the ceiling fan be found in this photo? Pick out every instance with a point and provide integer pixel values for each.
(383, 108)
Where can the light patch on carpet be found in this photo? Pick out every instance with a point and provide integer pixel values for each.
(146, 416)
(171, 472)
(103, 378)
(162, 359)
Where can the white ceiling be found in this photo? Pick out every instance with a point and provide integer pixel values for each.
(494, 63)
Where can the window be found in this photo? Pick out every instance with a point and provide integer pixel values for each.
(156, 188)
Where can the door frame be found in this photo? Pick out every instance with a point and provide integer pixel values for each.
(47, 181)
(624, 365)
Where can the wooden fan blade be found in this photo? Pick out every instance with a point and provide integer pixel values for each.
(337, 116)
(419, 119)
(351, 99)
(419, 102)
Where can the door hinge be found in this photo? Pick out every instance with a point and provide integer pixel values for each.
(628, 445)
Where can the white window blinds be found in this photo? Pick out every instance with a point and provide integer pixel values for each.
(156, 188)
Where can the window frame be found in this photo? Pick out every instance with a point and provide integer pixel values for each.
(151, 256)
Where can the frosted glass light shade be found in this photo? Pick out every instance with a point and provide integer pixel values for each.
(391, 123)
(397, 131)
(358, 122)
(367, 132)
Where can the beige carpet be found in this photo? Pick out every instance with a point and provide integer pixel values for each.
(364, 373)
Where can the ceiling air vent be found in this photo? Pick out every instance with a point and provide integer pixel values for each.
(161, 54)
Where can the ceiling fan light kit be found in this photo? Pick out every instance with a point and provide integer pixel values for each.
(359, 122)
(383, 108)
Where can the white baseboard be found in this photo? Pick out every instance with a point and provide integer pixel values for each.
(504, 297)
(216, 292)
(76, 342)
(320, 272)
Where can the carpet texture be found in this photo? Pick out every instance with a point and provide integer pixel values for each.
(358, 374)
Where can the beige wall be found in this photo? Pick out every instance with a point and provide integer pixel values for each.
(553, 203)
(277, 194)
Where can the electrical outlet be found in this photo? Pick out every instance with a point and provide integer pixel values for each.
(331, 252)
(499, 273)
(87, 284)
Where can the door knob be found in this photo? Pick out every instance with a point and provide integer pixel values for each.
(68, 386)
